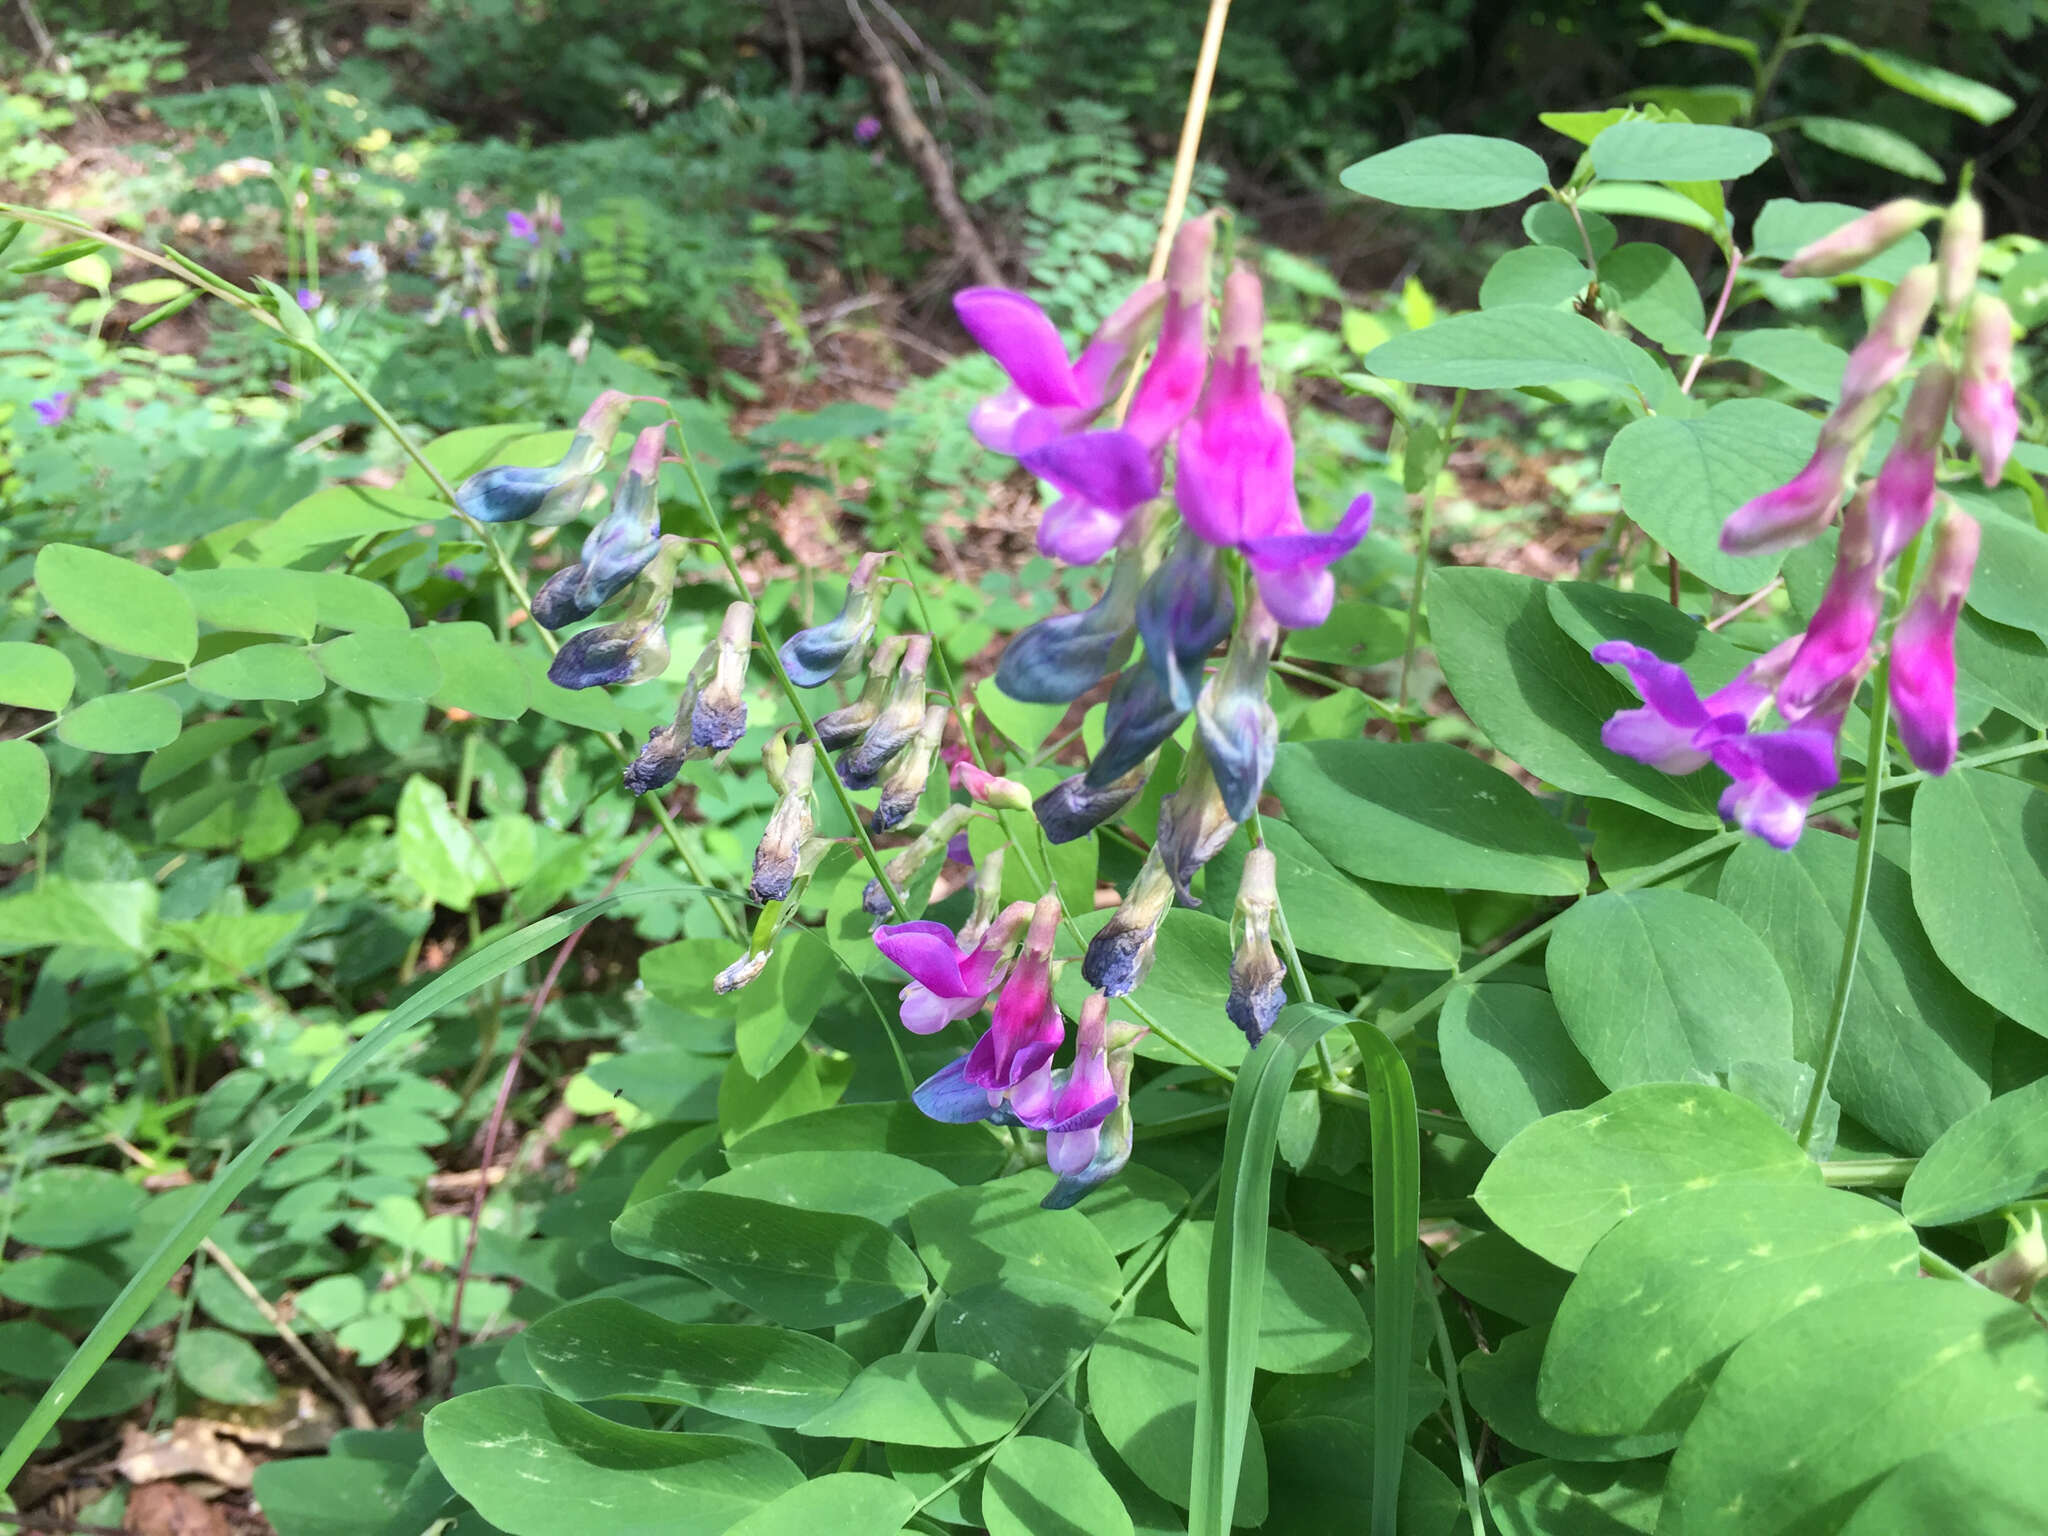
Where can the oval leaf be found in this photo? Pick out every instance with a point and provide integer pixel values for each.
(24, 790)
(1449, 170)
(117, 603)
(927, 1398)
(1646, 151)
(1980, 885)
(1991, 1157)
(1038, 1487)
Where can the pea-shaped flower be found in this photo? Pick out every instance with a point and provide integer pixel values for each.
(553, 494)
(633, 649)
(843, 727)
(904, 786)
(1086, 1158)
(1119, 957)
(617, 550)
(816, 655)
(894, 727)
(1923, 666)
(719, 718)
(1238, 727)
(1985, 411)
(1257, 978)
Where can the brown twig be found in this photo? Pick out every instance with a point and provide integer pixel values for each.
(909, 131)
(496, 1124)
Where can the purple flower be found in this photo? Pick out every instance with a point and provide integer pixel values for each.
(1235, 485)
(1923, 668)
(52, 409)
(551, 495)
(1086, 1157)
(521, 227)
(1120, 955)
(1777, 774)
(1902, 496)
(1025, 1028)
(1075, 1098)
(1056, 660)
(633, 650)
(867, 128)
(1184, 612)
(1675, 728)
(1796, 512)
(947, 982)
(617, 549)
(1835, 651)
(307, 298)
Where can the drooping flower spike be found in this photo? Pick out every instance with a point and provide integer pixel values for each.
(1835, 652)
(551, 495)
(1258, 988)
(719, 718)
(1184, 612)
(1923, 664)
(1902, 496)
(1056, 660)
(1194, 824)
(1074, 807)
(815, 656)
(1235, 477)
(617, 549)
(635, 647)
(1078, 1097)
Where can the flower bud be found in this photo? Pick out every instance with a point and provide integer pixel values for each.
(1985, 412)
(843, 727)
(719, 719)
(551, 495)
(1194, 824)
(1075, 807)
(2023, 1263)
(1184, 612)
(1923, 668)
(1835, 652)
(617, 549)
(779, 857)
(1173, 381)
(904, 866)
(906, 781)
(815, 656)
(1058, 659)
(1257, 978)
(743, 970)
(1238, 728)
(635, 648)
(1962, 243)
(989, 789)
(1902, 496)
(1120, 954)
(1860, 239)
(1084, 1159)
(1882, 355)
(893, 728)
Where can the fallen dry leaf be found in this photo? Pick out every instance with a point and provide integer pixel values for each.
(165, 1509)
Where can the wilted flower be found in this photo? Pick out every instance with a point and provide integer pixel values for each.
(905, 784)
(1139, 715)
(1238, 728)
(951, 976)
(905, 864)
(1120, 955)
(1194, 824)
(617, 549)
(1962, 243)
(552, 495)
(1025, 1027)
(1058, 659)
(1675, 727)
(779, 857)
(1859, 240)
(2022, 1264)
(843, 727)
(1902, 496)
(1257, 978)
(743, 970)
(1076, 806)
(1184, 613)
(52, 409)
(635, 648)
(1235, 483)
(1086, 1158)
(1835, 652)
(898, 721)
(1923, 666)
(1985, 412)
(817, 655)
(719, 718)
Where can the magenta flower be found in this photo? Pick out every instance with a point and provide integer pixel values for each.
(307, 298)
(1078, 1097)
(1049, 396)
(52, 409)
(1025, 1028)
(1675, 729)
(1235, 485)
(1902, 496)
(867, 129)
(521, 227)
(1985, 413)
(1798, 511)
(1089, 1155)
(1923, 670)
(1835, 651)
(948, 982)
(1777, 774)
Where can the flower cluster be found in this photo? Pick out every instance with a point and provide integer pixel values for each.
(1813, 678)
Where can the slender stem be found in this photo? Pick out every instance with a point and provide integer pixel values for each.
(1692, 370)
(1767, 72)
(1422, 533)
(1454, 1400)
(1859, 900)
(1869, 1172)
(1761, 594)
(1190, 136)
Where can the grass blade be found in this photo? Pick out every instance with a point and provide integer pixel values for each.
(460, 979)
(1237, 1260)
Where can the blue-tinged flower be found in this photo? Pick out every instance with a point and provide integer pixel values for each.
(552, 494)
(1675, 728)
(861, 765)
(1138, 717)
(1923, 667)
(843, 727)
(905, 785)
(1194, 824)
(778, 858)
(52, 409)
(1258, 988)
(719, 718)
(1025, 1028)
(817, 655)
(635, 648)
(667, 749)
(1120, 955)
(1074, 807)
(1185, 612)
(1776, 776)
(949, 1098)
(1238, 728)
(1058, 659)
(1084, 1159)
(617, 549)
(1077, 1097)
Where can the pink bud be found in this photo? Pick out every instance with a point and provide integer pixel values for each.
(1902, 496)
(1985, 412)
(1962, 242)
(1883, 354)
(1835, 653)
(990, 789)
(1860, 239)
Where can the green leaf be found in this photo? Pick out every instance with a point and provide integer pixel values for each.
(1038, 1487)
(1665, 986)
(1534, 274)
(1999, 667)
(1501, 1387)
(603, 1347)
(2011, 584)
(1424, 813)
(1681, 479)
(1958, 93)
(341, 601)
(477, 673)
(1542, 699)
(121, 722)
(966, 1154)
(1785, 225)
(261, 672)
(1034, 1329)
(1798, 358)
(1980, 885)
(592, 709)
(535, 1465)
(1564, 1498)
(1551, 223)
(996, 1232)
(1141, 1390)
(1328, 913)
(1640, 150)
(435, 850)
(1449, 170)
(777, 1007)
(1809, 1411)
(1878, 145)
(24, 790)
(1662, 1299)
(843, 1503)
(117, 603)
(1998, 1473)
(802, 1269)
(1494, 1271)
(872, 1184)
(2025, 288)
(1185, 991)
(341, 514)
(1309, 1319)
(71, 1205)
(1517, 346)
(223, 1367)
(1026, 725)
(1563, 1183)
(1656, 294)
(340, 1494)
(34, 676)
(382, 664)
(1646, 200)
(253, 598)
(1991, 1157)
(1509, 1061)
(1916, 1047)
(926, 1398)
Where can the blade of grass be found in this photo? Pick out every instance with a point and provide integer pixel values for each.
(458, 981)
(1237, 1259)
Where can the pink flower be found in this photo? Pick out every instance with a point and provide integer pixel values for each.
(1796, 512)
(947, 982)
(520, 227)
(1923, 669)
(1777, 774)
(867, 129)
(1985, 413)
(1902, 496)
(1025, 1028)
(1835, 652)
(1675, 728)
(1235, 485)
(1077, 1097)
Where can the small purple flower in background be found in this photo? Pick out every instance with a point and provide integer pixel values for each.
(307, 298)
(521, 227)
(867, 129)
(52, 409)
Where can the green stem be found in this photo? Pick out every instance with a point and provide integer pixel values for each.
(1859, 900)
(1326, 1068)
(1422, 533)
(1455, 1402)
(1767, 72)
(1869, 1172)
